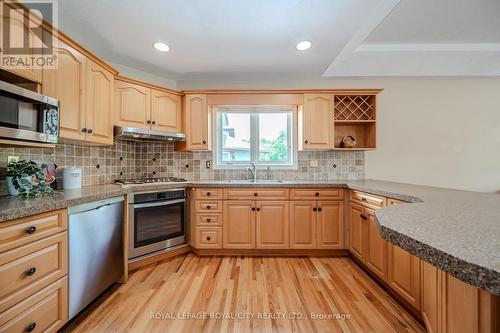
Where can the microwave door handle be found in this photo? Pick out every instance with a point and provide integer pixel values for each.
(158, 204)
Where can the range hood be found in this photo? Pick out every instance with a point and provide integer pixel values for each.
(142, 134)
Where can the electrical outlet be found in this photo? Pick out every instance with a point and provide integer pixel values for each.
(12, 159)
(208, 164)
(313, 163)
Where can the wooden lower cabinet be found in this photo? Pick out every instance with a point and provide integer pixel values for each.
(238, 220)
(272, 224)
(302, 225)
(356, 235)
(430, 283)
(330, 225)
(403, 274)
(376, 247)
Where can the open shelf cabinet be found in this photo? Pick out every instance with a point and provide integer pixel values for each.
(355, 115)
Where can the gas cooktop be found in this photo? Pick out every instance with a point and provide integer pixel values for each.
(140, 181)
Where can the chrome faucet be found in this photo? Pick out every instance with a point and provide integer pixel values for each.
(253, 170)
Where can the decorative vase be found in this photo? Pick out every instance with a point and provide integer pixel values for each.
(10, 186)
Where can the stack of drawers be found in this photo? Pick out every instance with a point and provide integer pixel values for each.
(208, 218)
(33, 273)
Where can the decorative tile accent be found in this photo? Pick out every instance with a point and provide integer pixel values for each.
(126, 159)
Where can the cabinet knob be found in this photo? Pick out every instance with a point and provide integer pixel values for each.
(209, 238)
(315, 209)
(258, 209)
(89, 131)
(208, 207)
(306, 142)
(255, 194)
(31, 271)
(319, 209)
(153, 122)
(209, 220)
(316, 194)
(363, 199)
(148, 121)
(209, 194)
(31, 230)
(30, 327)
(363, 217)
(204, 142)
(84, 130)
(253, 209)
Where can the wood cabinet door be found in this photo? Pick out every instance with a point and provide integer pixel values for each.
(132, 105)
(430, 279)
(17, 31)
(165, 111)
(238, 225)
(376, 247)
(272, 222)
(196, 122)
(99, 104)
(303, 224)
(317, 121)
(330, 228)
(68, 84)
(403, 274)
(356, 234)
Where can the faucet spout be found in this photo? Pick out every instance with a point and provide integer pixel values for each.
(253, 170)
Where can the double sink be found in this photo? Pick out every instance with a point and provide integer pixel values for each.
(256, 181)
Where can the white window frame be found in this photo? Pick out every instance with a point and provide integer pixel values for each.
(254, 111)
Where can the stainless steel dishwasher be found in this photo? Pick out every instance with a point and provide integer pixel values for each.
(95, 250)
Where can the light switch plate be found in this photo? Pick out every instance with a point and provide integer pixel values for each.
(208, 164)
(313, 163)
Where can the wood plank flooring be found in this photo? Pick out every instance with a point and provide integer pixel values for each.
(159, 297)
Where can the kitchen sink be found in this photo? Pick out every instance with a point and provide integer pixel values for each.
(257, 181)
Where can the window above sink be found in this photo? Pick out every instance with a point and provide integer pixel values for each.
(262, 135)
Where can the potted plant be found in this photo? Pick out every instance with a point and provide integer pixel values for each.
(25, 178)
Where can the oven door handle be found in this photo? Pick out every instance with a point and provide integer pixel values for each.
(158, 204)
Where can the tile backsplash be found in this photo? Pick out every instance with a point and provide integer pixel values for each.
(126, 159)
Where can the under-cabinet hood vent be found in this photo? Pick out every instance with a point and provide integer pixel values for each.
(141, 134)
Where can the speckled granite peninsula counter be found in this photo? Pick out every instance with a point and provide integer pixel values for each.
(456, 231)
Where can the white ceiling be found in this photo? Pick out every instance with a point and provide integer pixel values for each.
(255, 40)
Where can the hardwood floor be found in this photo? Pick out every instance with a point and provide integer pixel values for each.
(246, 286)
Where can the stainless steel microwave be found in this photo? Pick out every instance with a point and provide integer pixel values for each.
(28, 116)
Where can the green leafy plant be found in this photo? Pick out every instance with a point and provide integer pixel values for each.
(28, 179)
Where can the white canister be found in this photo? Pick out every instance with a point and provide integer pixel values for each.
(72, 178)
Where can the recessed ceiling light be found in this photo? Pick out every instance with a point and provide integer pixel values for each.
(162, 47)
(304, 45)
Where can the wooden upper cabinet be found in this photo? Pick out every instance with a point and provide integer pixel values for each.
(356, 214)
(17, 31)
(99, 104)
(196, 122)
(165, 111)
(376, 247)
(403, 274)
(272, 224)
(68, 84)
(303, 225)
(330, 226)
(132, 105)
(238, 220)
(317, 122)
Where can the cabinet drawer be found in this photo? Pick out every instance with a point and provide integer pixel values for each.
(46, 310)
(208, 206)
(209, 219)
(29, 268)
(308, 194)
(256, 193)
(208, 238)
(367, 200)
(29, 229)
(208, 193)
(391, 201)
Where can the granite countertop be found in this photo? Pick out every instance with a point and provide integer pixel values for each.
(456, 231)
(14, 208)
